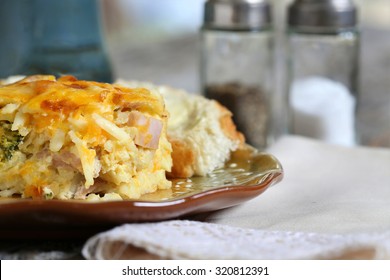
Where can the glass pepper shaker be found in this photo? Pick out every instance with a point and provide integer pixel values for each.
(323, 44)
(237, 63)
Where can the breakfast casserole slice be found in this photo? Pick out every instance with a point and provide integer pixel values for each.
(71, 139)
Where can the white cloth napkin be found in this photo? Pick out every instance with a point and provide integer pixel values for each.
(334, 202)
(183, 239)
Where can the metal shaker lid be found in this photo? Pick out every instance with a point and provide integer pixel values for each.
(237, 14)
(326, 15)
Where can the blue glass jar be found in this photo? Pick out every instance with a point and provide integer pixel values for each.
(53, 37)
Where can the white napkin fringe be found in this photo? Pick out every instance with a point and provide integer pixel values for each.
(182, 239)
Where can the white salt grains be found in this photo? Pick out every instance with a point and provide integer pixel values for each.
(323, 109)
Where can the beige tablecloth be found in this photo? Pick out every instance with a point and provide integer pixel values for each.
(334, 202)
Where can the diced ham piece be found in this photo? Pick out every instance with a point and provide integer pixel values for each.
(67, 159)
(149, 129)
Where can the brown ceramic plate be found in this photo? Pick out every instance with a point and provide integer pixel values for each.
(245, 176)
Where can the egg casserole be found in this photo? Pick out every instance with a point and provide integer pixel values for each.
(71, 139)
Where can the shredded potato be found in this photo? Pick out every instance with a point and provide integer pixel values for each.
(73, 139)
(57, 141)
(87, 157)
(111, 128)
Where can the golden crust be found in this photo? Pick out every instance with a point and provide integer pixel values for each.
(183, 159)
(183, 155)
(228, 126)
(67, 94)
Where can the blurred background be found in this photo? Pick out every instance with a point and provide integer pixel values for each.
(158, 41)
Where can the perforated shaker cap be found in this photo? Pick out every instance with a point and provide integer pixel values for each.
(237, 14)
(325, 15)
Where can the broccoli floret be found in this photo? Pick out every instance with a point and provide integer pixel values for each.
(9, 141)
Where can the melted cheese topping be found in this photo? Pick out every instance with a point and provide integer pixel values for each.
(44, 104)
(81, 127)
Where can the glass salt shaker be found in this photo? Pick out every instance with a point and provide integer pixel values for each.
(323, 44)
(237, 63)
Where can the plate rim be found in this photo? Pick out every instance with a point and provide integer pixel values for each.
(271, 179)
(89, 216)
